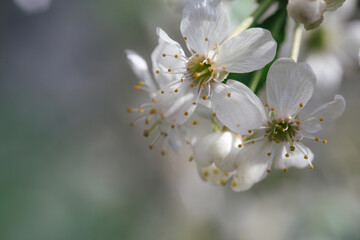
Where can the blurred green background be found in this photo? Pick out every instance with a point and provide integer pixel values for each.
(72, 168)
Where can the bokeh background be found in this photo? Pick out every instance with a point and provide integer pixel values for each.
(71, 167)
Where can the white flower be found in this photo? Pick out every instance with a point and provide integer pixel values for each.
(289, 87)
(33, 6)
(306, 11)
(148, 114)
(199, 77)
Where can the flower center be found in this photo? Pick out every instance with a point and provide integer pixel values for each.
(281, 130)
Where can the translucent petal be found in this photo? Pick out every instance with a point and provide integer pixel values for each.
(234, 109)
(296, 157)
(288, 86)
(204, 24)
(167, 55)
(176, 102)
(249, 51)
(213, 175)
(324, 114)
(175, 140)
(140, 68)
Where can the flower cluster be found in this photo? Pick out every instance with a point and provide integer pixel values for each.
(247, 137)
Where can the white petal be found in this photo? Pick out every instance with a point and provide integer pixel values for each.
(252, 165)
(288, 85)
(176, 106)
(234, 109)
(327, 113)
(296, 158)
(204, 24)
(140, 68)
(250, 95)
(213, 175)
(249, 51)
(161, 64)
(175, 140)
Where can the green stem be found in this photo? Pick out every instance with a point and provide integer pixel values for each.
(247, 22)
(295, 49)
(256, 80)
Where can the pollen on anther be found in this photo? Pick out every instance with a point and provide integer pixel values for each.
(316, 139)
(229, 94)
(182, 80)
(194, 103)
(285, 170)
(169, 70)
(147, 121)
(206, 39)
(164, 55)
(268, 170)
(239, 146)
(186, 113)
(176, 56)
(216, 171)
(265, 135)
(206, 173)
(151, 146)
(141, 110)
(191, 158)
(163, 115)
(136, 87)
(298, 122)
(287, 155)
(223, 67)
(172, 126)
(140, 83)
(163, 153)
(321, 119)
(269, 154)
(153, 100)
(272, 109)
(223, 182)
(292, 148)
(192, 85)
(306, 157)
(311, 166)
(195, 122)
(277, 141)
(176, 90)
(266, 105)
(185, 38)
(297, 140)
(325, 141)
(129, 109)
(153, 111)
(234, 183)
(132, 124)
(249, 131)
(157, 72)
(252, 142)
(301, 105)
(204, 97)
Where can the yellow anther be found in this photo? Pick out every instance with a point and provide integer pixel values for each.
(192, 85)
(249, 131)
(185, 38)
(163, 115)
(269, 154)
(325, 141)
(239, 146)
(182, 80)
(151, 146)
(172, 126)
(153, 100)
(201, 64)
(169, 70)
(274, 138)
(285, 170)
(203, 84)
(226, 174)
(129, 109)
(275, 133)
(316, 139)
(216, 171)
(204, 97)
(223, 67)
(266, 105)
(306, 157)
(321, 119)
(292, 148)
(252, 142)
(298, 122)
(157, 72)
(141, 110)
(132, 124)
(301, 105)
(194, 103)
(292, 140)
(265, 135)
(229, 94)
(147, 121)
(176, 56)
(206, 39)
(197, 55)
(283, 130)
(186, 113)
(287, 155)
(153, 111)
(311, 166)
(206, 173)
(196, 75)
(188, 68)
(191, 158)
(298, 140)
(279, 127)
(216, 44)
(223, 182)
(176, 90)
(195, 122)
(214, 114)
(277, 141)
(164, 55)
(162, 92)
(272, 109)
(165, 134)
(140, 83)
(234, 183)
(136, 87)
(268, 170)
(163, 153)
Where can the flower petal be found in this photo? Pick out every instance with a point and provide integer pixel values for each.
(249, 51)
(296, 158)
(204, 24)
(167, 59)
(140, 68)
(176, 102)
(324, 114)
(175, 140)
(250, 95)
(252, 165)
(234, 109)
(213, 175)
(288, 86)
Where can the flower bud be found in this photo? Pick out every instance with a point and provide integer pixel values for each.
(306, 11)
